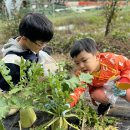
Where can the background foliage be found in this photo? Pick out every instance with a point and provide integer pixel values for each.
(78, 25)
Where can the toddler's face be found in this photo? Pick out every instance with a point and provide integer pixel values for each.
(87, 62)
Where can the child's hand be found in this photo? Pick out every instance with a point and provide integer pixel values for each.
(118, 92)
(65, 111)
(111, 90)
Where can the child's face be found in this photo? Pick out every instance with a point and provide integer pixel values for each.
(87, 62)
(33, 46)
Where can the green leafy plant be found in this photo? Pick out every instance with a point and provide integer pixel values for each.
(48, 94)
(120, 35)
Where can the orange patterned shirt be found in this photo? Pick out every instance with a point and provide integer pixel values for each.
(111, 65)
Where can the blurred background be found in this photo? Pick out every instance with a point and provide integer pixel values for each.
(107, 21)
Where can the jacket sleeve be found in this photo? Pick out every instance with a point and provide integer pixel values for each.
(12, 62)
(14, 73)
(123, 66)
(76, 95)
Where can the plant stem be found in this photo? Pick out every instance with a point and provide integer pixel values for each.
(20, 127)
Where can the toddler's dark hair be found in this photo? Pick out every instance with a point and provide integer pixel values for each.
(87, 44)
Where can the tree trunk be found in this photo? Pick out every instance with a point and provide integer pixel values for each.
(111, 15)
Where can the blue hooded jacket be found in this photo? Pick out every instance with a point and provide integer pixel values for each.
(12, 53)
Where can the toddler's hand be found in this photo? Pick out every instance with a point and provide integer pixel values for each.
(111, 89)
(118, 92)
(65, 111)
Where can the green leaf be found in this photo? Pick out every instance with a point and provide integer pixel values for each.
(15, 90)
(4, 108)
(73, 82)
(1, 126)
(85, 77)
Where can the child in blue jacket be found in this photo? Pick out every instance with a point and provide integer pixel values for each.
(35, 30)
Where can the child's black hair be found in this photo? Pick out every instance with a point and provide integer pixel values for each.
(35, 26)
(87, 44)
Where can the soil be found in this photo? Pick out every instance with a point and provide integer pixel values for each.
(61, 57)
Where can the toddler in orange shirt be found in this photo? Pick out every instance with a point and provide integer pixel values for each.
(103, 66)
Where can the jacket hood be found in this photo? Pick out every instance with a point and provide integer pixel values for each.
(12, 45)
